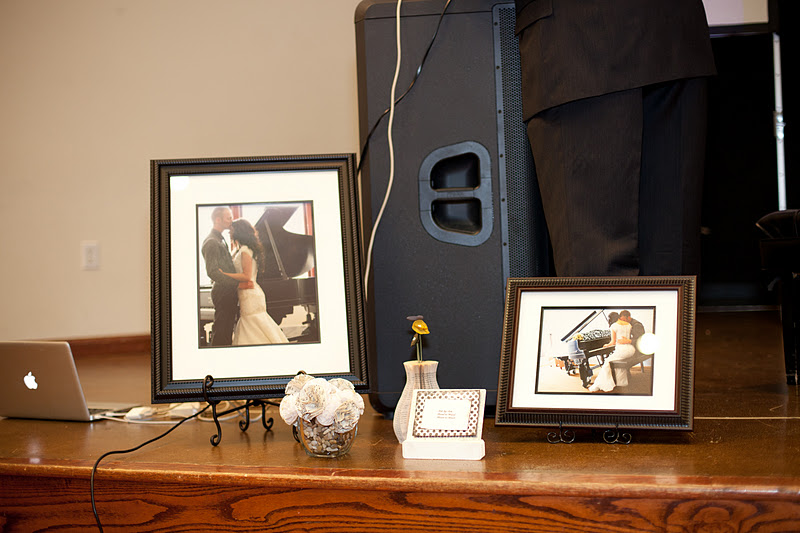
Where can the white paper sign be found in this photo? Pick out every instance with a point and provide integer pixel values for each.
(446, 424)
(445, 414)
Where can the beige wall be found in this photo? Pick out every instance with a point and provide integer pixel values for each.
(92, 90)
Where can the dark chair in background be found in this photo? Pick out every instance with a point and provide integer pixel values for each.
(780, 256)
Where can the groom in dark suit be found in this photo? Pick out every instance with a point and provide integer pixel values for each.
(224, 294)
(614, 96)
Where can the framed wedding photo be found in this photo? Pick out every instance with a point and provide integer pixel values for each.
(598, 353)
(256, 275)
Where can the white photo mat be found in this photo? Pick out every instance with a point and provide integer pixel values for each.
(331, 355)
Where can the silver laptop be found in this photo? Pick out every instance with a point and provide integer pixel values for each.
(39, 380)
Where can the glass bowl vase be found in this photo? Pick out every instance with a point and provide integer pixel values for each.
(323, 441)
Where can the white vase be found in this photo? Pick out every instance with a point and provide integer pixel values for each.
(419, 375)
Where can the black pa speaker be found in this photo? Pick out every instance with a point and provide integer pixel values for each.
(464, 212)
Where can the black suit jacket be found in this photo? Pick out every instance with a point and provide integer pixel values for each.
(574, 49)
(217, 256)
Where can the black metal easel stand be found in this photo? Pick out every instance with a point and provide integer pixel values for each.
(567, 436)
(208, 382)
(613, 436)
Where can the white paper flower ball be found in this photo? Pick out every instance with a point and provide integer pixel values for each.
(328, 403)
(344, 395)
(327, 416)
(359, 401)
(288, 409)
(346, 417)
(311, 400)
(297, 383)
(324, 385)
(342, 384)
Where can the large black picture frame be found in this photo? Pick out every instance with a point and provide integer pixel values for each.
(184, 189)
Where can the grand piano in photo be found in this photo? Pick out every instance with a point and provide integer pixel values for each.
(584, 343)
(289, 279)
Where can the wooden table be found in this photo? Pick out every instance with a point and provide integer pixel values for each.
(738, 471)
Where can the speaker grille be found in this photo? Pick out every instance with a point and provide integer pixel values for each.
(525, 250)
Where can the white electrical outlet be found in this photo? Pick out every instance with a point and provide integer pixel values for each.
(90, 255)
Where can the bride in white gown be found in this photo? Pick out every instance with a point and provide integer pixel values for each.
(255, 326)
(607, 379)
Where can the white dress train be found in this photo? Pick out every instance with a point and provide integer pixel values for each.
(255, 326)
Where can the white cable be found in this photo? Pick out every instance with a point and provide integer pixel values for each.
(391, 155)
(134, 421)
(167, 415)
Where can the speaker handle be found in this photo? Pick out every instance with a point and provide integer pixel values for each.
(455, 194)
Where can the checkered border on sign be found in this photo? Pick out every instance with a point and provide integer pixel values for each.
(474, 397)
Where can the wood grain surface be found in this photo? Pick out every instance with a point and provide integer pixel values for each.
(738, 471)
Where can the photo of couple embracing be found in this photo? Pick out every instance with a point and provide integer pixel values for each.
(251, 270)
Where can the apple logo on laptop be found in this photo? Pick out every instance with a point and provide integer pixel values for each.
(30, 381)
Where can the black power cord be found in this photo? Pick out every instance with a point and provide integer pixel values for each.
(399, 98)
(119, 452)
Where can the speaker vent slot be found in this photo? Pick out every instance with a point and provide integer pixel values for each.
(461, 216)
(458, 172)
(455, 194)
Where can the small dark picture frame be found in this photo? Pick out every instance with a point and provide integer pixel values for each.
(613, 352)
(297, 236)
